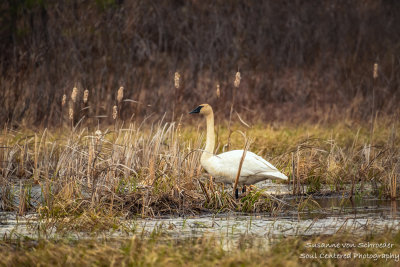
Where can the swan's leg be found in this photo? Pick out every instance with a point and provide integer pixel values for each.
(243, 189)
(237, 193)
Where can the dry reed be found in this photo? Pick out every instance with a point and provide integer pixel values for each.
(236, 84)
(247, 144)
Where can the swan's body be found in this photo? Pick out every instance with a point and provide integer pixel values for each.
(224, 167)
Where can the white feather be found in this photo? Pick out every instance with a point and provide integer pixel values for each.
(224, 168)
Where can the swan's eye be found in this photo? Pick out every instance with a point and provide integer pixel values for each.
(196, 110)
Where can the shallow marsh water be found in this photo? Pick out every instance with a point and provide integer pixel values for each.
(335, 215)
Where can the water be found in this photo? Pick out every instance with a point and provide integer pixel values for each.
(335, 215)
(367, 215)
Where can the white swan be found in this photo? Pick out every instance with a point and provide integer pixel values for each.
(224, 167)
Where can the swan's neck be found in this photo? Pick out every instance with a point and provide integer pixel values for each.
(210, 138)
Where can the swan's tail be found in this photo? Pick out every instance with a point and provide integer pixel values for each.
(275, 175)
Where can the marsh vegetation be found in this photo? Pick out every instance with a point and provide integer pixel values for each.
(151, 171)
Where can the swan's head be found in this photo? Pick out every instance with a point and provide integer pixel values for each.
(203, 109)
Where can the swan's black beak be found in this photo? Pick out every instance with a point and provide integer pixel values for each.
(196, 110)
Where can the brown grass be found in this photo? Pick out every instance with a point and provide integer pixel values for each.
(160, 250)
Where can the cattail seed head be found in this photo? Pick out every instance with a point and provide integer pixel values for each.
(64, 100)
(71, 113)
(375, 73)
(85, 96)
(218, 91)
(176, 79)
(120, 94)
(179, 130)
(115, 112)
(237, 80)
(74, 94)
(98, 135)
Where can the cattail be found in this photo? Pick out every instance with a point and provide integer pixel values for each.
(375, 74)
(115, 112)
(120, 94)
(64, 100)
(71, 113)
(176, 79)
(218, 91)
(74, 94)
(237, 80)
(85, 96)
(179, 130)
(98, 134)
(98, 140)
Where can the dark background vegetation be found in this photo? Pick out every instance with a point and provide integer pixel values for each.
(299, 60)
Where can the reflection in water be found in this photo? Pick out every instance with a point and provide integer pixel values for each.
(393, 210)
